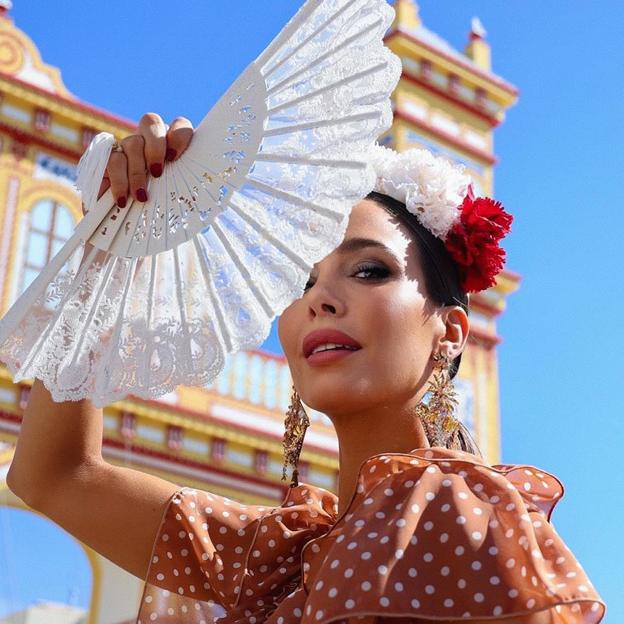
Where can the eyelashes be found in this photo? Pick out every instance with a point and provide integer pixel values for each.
(373, 271)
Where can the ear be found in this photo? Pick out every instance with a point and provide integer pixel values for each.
(456, 328)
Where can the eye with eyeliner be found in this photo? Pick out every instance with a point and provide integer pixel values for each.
(375, 270)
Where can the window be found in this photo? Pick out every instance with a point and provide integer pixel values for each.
(51, 225)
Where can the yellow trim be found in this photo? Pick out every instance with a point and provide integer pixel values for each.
(403, 46)
(24, 47)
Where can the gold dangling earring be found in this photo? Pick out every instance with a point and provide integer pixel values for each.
(297, 421)
(437, 414)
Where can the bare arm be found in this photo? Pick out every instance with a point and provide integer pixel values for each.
(58, 467)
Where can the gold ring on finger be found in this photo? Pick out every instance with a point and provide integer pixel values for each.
(117, 147)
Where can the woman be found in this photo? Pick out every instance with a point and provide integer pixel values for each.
(422, 528)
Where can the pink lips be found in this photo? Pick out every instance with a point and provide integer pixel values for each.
(325, 336)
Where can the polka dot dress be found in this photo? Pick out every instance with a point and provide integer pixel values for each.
(434, 533)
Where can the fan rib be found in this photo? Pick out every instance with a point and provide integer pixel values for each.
(319, 162)
(321, 123)
(329, 87)
(37, 287)
(93, 309)
(298, 18)
(309, 38)
(269, 237)
(242, 269)
(183, 318)
(214, 300)
(347, 42)
(119, 322)
(293, 199)
(148, 320)
(61, 306)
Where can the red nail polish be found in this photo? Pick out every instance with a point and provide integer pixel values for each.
(121, 201)
(171, 154)
(141, 195)
(156, 170)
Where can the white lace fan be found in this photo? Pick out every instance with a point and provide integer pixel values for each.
(231, 229)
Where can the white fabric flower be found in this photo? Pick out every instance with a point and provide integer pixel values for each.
(431, 187)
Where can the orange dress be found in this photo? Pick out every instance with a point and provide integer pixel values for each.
(434, 533)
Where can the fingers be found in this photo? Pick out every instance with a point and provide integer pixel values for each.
(179, 136)
(148, 150)
(134, 149)
(117, 170)
(153, 130)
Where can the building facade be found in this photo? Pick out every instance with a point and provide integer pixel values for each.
(227, 437)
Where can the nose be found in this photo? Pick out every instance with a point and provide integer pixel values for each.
(322, 301)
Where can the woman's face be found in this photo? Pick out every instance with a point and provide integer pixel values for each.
(372, 289)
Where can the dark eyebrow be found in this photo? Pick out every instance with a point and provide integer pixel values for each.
(354, 244)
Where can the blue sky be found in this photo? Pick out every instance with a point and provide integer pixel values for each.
(561, 154)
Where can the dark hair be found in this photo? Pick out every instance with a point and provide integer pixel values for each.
(442, 282)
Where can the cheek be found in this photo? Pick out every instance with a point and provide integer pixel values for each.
(286, 329)
(399, 331)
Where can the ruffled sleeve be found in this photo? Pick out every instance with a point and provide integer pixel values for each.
(439, 534)
(215, 557)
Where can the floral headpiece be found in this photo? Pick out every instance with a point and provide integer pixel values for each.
(440, 195)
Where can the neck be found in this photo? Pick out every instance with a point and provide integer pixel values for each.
(363, 435)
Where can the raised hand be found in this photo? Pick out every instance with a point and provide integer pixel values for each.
(144, 153)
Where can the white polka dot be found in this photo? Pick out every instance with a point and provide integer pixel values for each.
(459, 550)
(334, 564)
(350, 604)
(401, 522)
(399, 553)
(448, 602)
(476, 565)
(461, 520)
(415, 604)
(510, 563)
(332, 592)
(461, 583)
(512, 593)
(444, 537)
(445, 570)
(160, 576)
(368, 501)
(430, 589)
(428, 556)
(510, 506)
(476, 535)
(493, 550)
(389, 492)
(366, 586)
(319, 615)
(497, 610)
(494, 580)
(429, 496)
(384, 601)
(352, 545)
(366, 555)
(479, 597)
(415, 508)
(462, 495)
(530, 603)
(477, 510)
(382, 569)
(412, 572)
(348, 572)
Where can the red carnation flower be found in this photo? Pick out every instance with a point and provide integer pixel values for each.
(473, 241)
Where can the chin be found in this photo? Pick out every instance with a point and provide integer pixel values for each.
(335, 393)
